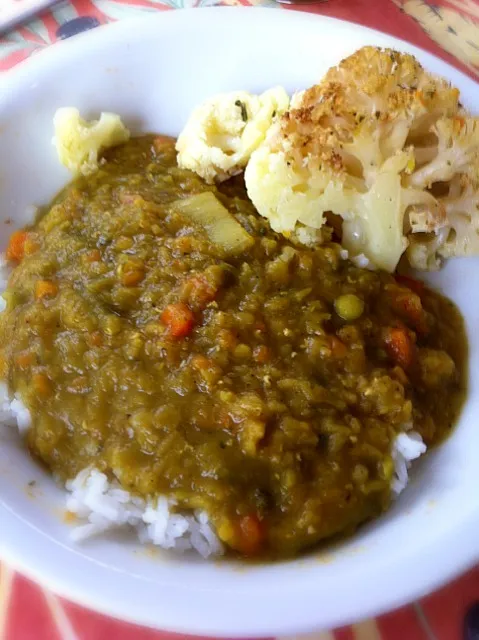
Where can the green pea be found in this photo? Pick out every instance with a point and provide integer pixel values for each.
(349, 307)
(111, 325)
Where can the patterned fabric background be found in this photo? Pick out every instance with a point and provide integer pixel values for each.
(447, 28)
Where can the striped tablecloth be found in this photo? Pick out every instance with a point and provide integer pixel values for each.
(447, 28)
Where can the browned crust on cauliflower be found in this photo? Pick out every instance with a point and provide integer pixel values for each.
(372, 86)
(378, 111)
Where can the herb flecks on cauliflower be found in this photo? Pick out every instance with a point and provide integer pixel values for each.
(378, 143)
(79, 143)
(222, 133)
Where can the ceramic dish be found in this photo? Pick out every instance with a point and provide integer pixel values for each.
(152, 72)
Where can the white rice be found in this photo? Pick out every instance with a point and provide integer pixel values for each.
(104, 506)
(308, 236)
(362, 262)
(13, 413)
(407, 447)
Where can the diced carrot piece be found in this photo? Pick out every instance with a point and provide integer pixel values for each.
(208, 370)
(415, 285)
(162, 142)
(132, 278)
(409, 305)
(93, 256)
(200, 362)
(250, 535)
(260, 326)
(24, 359)
(95, 339)
(227, 339)
(262, 354)
(45, 289)
(338, 348)
(131, 272)
(179, 319)
(413, 307)
(199, 291)
(41, 384)
(16, 246)
(183, 244)
(399, 346)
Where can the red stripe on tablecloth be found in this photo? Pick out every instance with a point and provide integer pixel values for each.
(445, 609)
(50, 24)
(30, 35)
(87, 8)
(14, 58)
(89, 625)
(149, 4)
(401, 624)
(6, 577)
(467, 7)
(392, 21)
(29, 617)
(344, 633)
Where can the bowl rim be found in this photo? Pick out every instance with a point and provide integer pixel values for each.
(457, 537)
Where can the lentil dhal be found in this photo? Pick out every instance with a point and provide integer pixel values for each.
(157, 329)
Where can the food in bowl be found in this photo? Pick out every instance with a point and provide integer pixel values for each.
(259, 382)
(189, 371)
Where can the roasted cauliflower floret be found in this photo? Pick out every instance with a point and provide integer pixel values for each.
(370, 144)
(453, 169)
(221, 133)
(455, 152)
(462, 209)
(387, 83)
(79, 143)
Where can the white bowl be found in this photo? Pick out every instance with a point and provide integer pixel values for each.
(153, 71)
